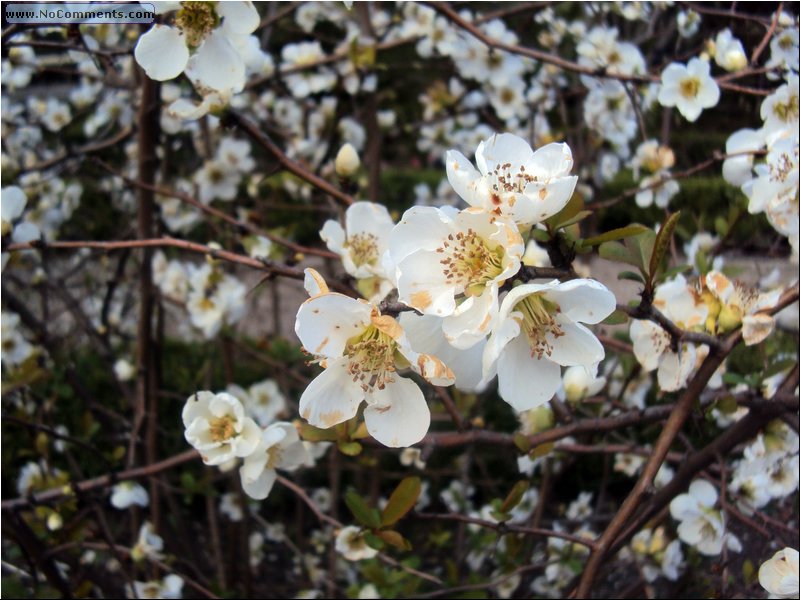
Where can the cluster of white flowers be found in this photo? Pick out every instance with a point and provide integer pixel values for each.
(449, 266)
(768, 469)
(212, 297)
(220, 428)
(715, 305)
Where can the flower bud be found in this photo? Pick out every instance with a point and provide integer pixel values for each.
(347, 161)
(730, 317)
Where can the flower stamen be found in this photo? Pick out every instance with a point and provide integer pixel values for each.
(537, 322)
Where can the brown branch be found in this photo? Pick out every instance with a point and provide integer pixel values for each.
(263, 265)
(210, 210)
(545, 57)
(101, 481)
(262, 139)
(741, 431)
(669, 431)
(300, 492)
(450, 406)
(114, 140)
(770, 32)
(678, 335)
(506, 527)
(717, 157)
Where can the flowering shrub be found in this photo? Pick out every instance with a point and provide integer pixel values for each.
(402, 300)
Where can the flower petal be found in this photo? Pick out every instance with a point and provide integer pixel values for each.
(260, 487)
(584, 300)
(525, 382)
(578, 345)
(217, 66)
(702, 491)
(332, 397)
(238, 18)
(462, 176)
(162, 53)
(325, 323)
(399, 415)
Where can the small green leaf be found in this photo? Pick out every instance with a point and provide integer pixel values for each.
(570, 210)
(574, 219)
(393, 538)
(542, 450)
(500, 516)
(616, 318)
(315, 434)
(540, 235)
(670, 273)
(641, 249)
(373, 541)
(662, 241)
(617, 252)
(402, 500)
(350, 448)
(522, 443)
(363, 512)
(749, 572)
(721, 226)
(615, 234)
(631, 276)
(515, 495)
(727, 405)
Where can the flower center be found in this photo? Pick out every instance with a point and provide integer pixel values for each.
(274, 454)
(689, 87)
(470, 262)
(372, 358)
(789, 110)
(505, 180)
(786, 42)
(537, 322)
(196, 20)
(363, 249)
(222, 428)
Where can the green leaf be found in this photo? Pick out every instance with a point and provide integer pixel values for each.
(522, 443)
(566, 214)
(315, 434)
(641, 248)
(373, 541)
(542, 450)
(402, 500)
(500, 516)
(515, 495)
(574, 219)
(662, 242)
(363, 512)
(615, 234)
(540, 235)
(350, 448)
(670, 273)
(393, 538)
(631, 276)
(616, 318)
(616, 252)
(721, 226)
(727, 405)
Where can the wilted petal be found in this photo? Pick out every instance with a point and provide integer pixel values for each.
(332, 397)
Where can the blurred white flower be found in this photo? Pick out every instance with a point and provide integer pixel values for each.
(128, 493)
(779, 574)
(689, 87)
